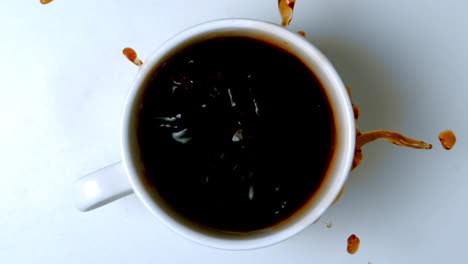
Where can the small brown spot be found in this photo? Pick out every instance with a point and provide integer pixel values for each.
(302, 33)
(339, 195)
(132, 56)
(349, 91)
(447, 139)
(45, 2)
(356, 111)
(353, 244)
(327, 223)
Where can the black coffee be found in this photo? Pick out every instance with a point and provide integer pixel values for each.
(235, 134)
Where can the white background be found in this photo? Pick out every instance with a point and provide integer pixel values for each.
(63, 80)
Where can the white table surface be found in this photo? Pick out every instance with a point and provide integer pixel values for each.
(63, 80)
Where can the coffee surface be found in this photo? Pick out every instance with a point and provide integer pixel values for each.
(235, 134)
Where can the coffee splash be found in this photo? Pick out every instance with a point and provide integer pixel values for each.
(132, 56)
(45, 2)
(367, 137)
(339, 195)
(447, 139)
(398, 139)
(302, 33)
(286, 9)
(353, 244)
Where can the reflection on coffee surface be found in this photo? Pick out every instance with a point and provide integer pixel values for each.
(235, 134)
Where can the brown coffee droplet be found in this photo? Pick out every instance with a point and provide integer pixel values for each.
(286, 9)
(357, 151)
(302, 33)
(45, 2)
(327, 223)
(349, 92)
(357, 158)
(353, 244)
(132, 56)
(447, 139)
(339, 195)
(356, 112)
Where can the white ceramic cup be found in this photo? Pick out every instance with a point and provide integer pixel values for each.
(125, 177)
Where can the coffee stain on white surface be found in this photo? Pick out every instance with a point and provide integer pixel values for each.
(286, 9)
(132, 56)
(447, 139)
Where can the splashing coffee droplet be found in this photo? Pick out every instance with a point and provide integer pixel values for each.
(447, 139)
(302, 33)
(45, 2)
(339, 195)
(132, 56)
(353, 244)
(286, 9)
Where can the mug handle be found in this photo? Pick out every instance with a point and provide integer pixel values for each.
(101, 187)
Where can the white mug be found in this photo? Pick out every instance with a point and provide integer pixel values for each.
(126, 177)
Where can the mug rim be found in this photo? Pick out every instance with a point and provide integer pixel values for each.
(337, 172)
